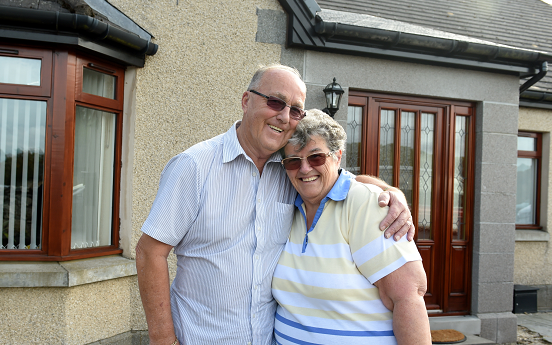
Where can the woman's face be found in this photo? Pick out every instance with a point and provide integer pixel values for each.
(313, 183)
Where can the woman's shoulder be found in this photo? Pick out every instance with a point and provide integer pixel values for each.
(363, 189)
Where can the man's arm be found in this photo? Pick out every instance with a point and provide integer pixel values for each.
(153, 281)
(402, 292)
(398, 221)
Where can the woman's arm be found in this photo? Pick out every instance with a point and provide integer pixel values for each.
(398, 221)
(402, 292)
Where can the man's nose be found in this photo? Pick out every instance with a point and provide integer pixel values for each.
(284, 115)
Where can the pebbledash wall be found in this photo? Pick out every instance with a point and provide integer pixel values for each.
(188, 92)
(533, 258)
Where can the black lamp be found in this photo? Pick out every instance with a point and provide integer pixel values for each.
(333, 94)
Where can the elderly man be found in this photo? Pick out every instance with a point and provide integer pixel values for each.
(226, 207)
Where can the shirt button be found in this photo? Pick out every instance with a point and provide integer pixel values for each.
(253, 316)
(259, 200)
(249, 343)
(254, 174)
(255, 287)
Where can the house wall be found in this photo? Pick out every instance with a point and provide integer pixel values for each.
(533, 250)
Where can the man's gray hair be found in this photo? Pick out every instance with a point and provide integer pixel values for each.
(256, 80)
(318, 123)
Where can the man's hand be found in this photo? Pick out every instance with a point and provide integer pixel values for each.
(398, 221)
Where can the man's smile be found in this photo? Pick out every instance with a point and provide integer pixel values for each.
(277, 129)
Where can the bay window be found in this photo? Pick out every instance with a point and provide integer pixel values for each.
(60, 154)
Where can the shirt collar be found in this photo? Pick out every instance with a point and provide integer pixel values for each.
(232, 148)
(339, 190)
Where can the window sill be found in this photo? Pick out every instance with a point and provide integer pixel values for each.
(65, 274)
(532, 236)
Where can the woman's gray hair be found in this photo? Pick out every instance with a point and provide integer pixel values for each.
(256, 80)
(318, 123)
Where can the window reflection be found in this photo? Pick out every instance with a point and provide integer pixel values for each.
(21, 71)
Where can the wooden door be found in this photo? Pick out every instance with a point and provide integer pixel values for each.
(426, 148)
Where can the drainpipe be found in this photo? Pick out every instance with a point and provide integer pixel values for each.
(535, 78)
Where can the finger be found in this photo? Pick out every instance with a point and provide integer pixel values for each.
(383, 199)
(411, 233)
(402, 231)
(394, 221)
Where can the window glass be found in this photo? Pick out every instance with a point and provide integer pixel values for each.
(425, 188)
(354, 138)
(527, 144)
(387, 146)
(93, 178)
(526, 190)
(22, 71)
(22, 138)
(460, 178)
(99, 84)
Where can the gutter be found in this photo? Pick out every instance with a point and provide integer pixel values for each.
(396, 40)
(535, 78)
(93, 29)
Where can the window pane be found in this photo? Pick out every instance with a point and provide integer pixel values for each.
(527, 144)
(460, 176)
(22, 71)
(526, 190)
(22, 135)
(387, 146)
(407, 155)
(99, 84)
(354, 138)
(93, 178)
(427, 133)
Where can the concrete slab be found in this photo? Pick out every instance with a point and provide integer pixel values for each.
(538, 322)
(468, 324)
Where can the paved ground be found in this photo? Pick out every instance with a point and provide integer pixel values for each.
(535, 328)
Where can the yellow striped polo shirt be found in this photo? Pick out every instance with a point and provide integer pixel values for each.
(323, 282)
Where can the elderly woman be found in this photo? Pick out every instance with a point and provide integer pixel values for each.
(339, 281)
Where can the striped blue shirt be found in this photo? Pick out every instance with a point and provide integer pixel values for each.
(228, 226)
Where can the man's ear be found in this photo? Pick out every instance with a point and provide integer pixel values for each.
(245, 100)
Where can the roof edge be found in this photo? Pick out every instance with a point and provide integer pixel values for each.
(57, 23)
(316, 34)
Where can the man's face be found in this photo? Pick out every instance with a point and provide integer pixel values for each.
(265, 130)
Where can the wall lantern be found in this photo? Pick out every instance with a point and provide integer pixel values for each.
(333, 94)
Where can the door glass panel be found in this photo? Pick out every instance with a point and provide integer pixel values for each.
(22, 138)
(526, 190)
(387, 145)
(99, 84)
(22, 71)
(93, 178)
(354, 138)
(460, 175)
(527, 144)
(407, 155)
(427, 147)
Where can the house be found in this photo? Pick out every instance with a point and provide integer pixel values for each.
(96, 97)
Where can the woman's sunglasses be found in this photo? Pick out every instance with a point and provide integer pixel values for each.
(278, 104)
(316, 159)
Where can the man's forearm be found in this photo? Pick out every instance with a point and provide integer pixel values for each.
(153, 281)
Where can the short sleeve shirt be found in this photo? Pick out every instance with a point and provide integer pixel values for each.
(228, 226)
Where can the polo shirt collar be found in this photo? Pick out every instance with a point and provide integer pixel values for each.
(339, 190)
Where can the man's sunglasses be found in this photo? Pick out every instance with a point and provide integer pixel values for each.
(278, 104)
(316, 159)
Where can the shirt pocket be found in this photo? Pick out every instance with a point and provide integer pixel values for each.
(282, 216)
